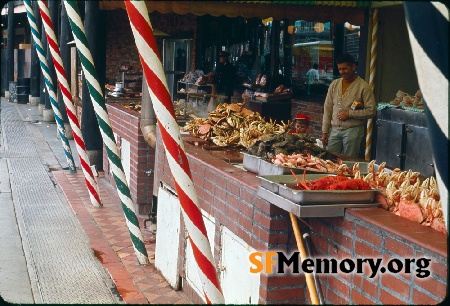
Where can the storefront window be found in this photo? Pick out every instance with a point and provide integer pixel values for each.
(312, 48)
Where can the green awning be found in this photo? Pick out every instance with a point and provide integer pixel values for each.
(334, 11)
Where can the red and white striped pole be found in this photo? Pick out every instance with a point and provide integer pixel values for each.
(68, 102)
(176, 156)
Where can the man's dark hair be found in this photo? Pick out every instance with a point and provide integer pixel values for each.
(346, 58)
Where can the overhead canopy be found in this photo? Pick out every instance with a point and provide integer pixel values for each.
(334, 11)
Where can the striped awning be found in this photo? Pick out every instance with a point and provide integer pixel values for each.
(334, 11)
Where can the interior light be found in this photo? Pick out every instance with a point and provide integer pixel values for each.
(319, 27)
(291, 29)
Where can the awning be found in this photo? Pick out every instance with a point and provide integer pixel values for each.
(334, 11)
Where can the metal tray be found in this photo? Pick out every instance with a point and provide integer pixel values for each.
(251, 162)
(268, 168)
(285, 190)
(310, 210)
(268, 181)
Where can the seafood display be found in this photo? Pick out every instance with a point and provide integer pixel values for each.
(136, 106)
(403, 194)
(331, 182)
(270, 145)
(233, 125)
(407, 100)
(310, 162)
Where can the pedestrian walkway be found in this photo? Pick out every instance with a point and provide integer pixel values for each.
(74, 252)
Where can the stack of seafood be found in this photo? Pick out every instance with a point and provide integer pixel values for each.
(332, 182)
(233, 125)
(405, 99)
(401, 192)
(404, 194)
(271, 145)
(133, 106)
(310, 162)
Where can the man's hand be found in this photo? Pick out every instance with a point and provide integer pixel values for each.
(325, 139)
(344, 115)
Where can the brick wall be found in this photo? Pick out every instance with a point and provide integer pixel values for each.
(126, 124)
(229, 195)
(375, 233)
(120, 45)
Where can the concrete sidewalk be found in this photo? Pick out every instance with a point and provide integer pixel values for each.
(58, 247)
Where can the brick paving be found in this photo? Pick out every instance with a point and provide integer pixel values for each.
(110, 241)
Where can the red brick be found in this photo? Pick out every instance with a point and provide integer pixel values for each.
(344, 224)
(420, 298)
(233, 188)
(366, 251)
(430, 284)
(285, 294)
(368, 235)
(278, 238)
(369, 287)
(357, 280)
(359, 299)
(436, 267)
(319, 227)
(387, 298)
(338, 285)
(342, 240)
(280, 224)
(274, 280)
(395, 284)
(232, 213)
(246, 222)
(246, 209)
(335, 299)
(232, 201)
(400, 248)
(261, 219)
(247, 195)
(220, 193)
(320, 244)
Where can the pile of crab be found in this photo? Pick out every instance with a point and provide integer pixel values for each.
(233, 125)
(401, 192)
(405, 195)
(310, 162)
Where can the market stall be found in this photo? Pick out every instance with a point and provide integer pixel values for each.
(243, 220)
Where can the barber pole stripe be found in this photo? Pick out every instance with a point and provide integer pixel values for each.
(430, 50)
(49, 86)
(373, 66)
(68, 102)
(170, 132)
(109, 141)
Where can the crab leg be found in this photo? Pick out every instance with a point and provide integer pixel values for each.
(303, 183)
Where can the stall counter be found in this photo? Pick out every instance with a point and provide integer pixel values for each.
(228, 198)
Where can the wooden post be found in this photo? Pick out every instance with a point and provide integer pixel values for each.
(89, 126)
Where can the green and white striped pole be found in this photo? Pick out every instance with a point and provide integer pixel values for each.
(96, 94)
(49, 86)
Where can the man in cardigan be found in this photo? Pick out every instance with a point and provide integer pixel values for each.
(348, 104)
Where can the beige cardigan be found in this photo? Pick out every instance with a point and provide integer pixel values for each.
(359, 91)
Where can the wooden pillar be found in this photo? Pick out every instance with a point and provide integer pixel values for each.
(35, 76)
(10, 43)
(338, 45)
(287, 62)
(94, 23)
